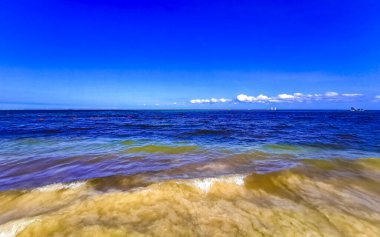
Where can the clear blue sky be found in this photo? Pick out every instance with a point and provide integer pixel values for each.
(189, 54)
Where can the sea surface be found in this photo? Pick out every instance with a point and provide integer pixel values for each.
(189, 173)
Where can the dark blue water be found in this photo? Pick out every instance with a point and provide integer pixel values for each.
(43, 147)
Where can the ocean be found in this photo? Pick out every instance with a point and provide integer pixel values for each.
(189, 173)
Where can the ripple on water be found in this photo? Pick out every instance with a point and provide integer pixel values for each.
(281, 147)
(128, 142)
(163, 149)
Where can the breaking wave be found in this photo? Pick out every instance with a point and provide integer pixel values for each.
(315, 198)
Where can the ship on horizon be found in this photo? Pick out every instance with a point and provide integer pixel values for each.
(353, 109)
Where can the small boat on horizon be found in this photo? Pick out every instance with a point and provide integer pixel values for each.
(353, 109)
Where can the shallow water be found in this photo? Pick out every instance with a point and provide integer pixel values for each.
(189, 173)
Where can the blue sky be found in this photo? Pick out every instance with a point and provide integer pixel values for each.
(189, 54)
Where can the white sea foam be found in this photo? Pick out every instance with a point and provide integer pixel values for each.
(59, 186)
(205, 184)
(11, 229)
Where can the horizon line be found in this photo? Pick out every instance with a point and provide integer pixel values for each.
(158, 109)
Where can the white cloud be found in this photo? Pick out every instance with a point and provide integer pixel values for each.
(351, 95)
(275, 100)
(377, 98)
(262, 97)
(259, 99)
(331, 94)
(212, 100)
(282, 98)
(285, 97)
(296, 97)
(224, 100)
(199, 101)
(244, 98)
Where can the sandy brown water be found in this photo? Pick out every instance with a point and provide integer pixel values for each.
(315, 198)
